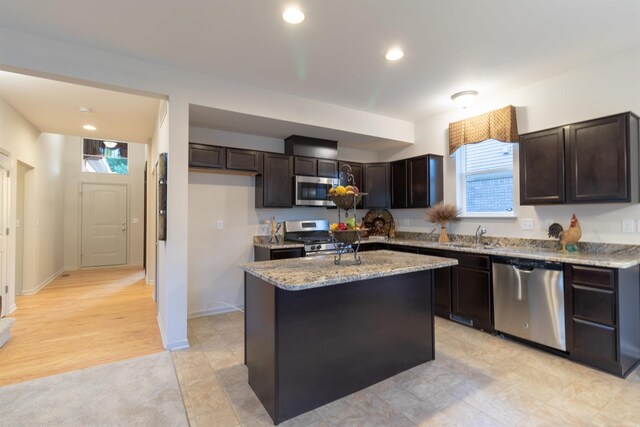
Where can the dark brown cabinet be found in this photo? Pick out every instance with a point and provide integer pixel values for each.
(274, 187)
(309, 166)
(243, 160)
(376, 185)
(542, 169)
(206, 156)
(441, 284)
(417, 182)
(603, 317)
(265, 254)
(224, 158)
(594, 161)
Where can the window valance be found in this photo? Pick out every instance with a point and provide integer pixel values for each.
(499, 124)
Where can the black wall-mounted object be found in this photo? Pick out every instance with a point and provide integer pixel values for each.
(162, 196)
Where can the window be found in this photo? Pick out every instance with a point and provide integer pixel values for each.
(101, 156)
(485, 179)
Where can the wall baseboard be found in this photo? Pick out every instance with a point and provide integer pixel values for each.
(44, 283)
(180, 345)
(211, 311)
(12, 308)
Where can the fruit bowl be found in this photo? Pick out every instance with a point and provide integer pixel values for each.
(348, 237)
(346, 201)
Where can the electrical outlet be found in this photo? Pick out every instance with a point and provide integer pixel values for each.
(527, 223)
(220, 224)
(628, 226)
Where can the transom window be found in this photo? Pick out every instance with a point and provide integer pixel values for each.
(485, 179)
(103, 156)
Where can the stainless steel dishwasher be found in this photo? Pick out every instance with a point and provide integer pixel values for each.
(529, 300)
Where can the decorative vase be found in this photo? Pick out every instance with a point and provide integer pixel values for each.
(443, 234)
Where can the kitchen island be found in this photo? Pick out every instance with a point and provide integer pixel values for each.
(316, 331)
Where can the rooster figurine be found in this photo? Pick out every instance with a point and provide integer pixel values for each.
(568, 238)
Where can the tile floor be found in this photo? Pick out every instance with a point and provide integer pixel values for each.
(476, 379)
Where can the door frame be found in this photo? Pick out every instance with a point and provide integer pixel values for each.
(127, 214)
(7, 274)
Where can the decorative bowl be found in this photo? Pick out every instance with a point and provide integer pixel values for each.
(346, 201)
(348, 237)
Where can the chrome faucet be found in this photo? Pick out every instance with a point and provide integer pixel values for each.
(480, 231)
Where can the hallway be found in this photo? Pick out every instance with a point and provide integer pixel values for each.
(83, 318)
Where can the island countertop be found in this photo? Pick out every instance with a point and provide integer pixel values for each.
(294, 274)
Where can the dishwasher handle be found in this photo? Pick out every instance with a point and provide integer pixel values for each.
(528, 265)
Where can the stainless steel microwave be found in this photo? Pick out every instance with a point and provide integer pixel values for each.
(313, 190)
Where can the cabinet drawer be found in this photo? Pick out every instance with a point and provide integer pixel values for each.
(206, 156)
(238, 159)
(592, 341)
(593, 276)
(593, 304)
(473, 261)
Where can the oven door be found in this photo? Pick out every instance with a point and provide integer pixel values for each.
(313, 191)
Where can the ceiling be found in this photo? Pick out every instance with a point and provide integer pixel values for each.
(336, 54)
(54, 106)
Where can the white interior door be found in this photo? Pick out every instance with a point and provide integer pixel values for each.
(104, 225)
(4, 221)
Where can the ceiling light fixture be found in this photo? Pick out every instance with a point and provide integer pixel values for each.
(293, 15)
(89, 127)
(464, 99)
(394, 54)
(85, 110)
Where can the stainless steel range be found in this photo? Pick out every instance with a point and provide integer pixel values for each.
(314, 234)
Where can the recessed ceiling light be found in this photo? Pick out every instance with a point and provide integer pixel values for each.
(293, 15)
(85, 110)
(394, 54)
(464, 99)
(89, 127)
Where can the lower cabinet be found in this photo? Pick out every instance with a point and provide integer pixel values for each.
(603, 317)
(266, 254)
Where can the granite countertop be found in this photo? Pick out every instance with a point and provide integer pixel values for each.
(294, 274)
(612, 260)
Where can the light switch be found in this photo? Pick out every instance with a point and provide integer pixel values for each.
(220, 224)
(526, 223)
(628, 226)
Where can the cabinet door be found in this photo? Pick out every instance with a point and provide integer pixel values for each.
(206, 156)
(441, 284)
(357, 170)
(327, 168)
(542, 170)
(399, 184)
(376, 177)
(402, 248)
(305, 166)
(471, 295)
(599, 161)
(238, 159)
(277, 180)
(424, 181)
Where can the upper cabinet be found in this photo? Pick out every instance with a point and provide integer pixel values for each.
(376, 185)
(595, 161)
(310, 166)
(274, 187)
(417, 182)
(224, 158)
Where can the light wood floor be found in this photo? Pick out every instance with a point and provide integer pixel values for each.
(83, 318)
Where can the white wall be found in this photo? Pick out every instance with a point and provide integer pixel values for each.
(74, 177)
(43, 225)
(214, 277)
(599, 89)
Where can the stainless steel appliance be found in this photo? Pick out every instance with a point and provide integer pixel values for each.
(313, 190)
(314, 234)
(529, 300)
